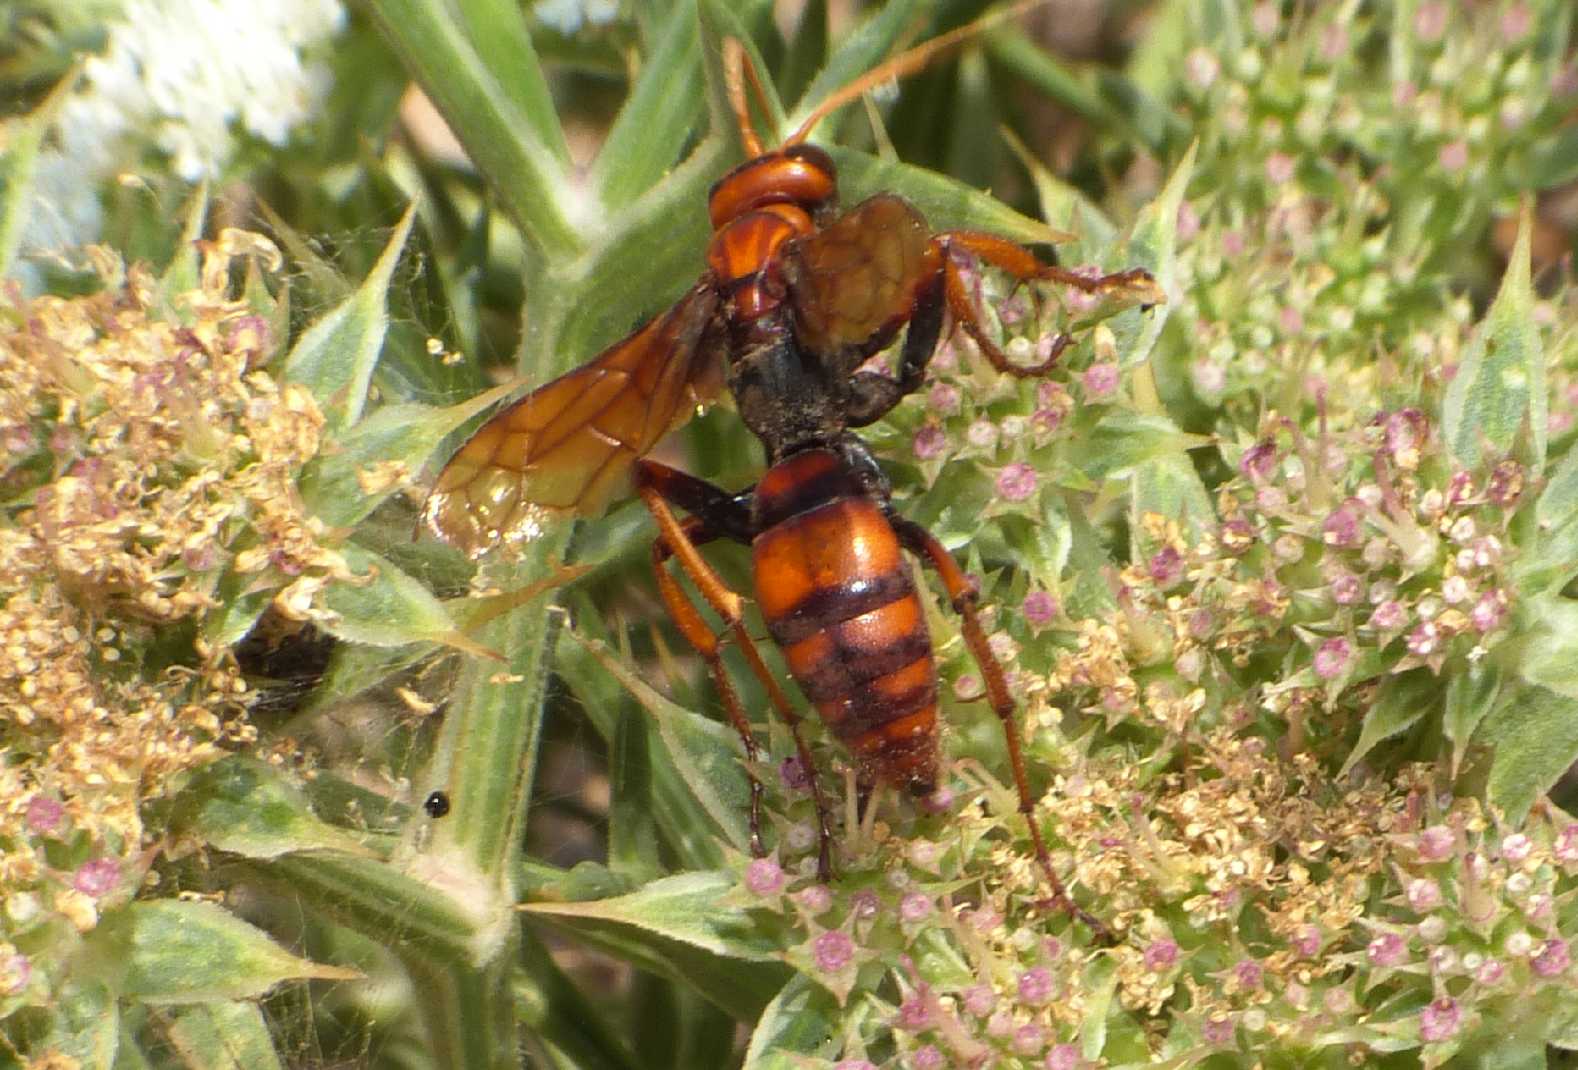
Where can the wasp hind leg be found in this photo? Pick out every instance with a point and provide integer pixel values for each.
(717, 514)
(962, 593)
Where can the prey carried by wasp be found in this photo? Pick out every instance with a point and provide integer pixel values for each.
(798, 294)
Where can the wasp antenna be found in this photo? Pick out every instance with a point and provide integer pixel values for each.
(737, 68)
(907, 63)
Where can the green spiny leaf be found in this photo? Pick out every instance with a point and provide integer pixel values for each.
(388, 607)
(632, 817)
(249, 807)
(691, 908)
(684, 822)
(513, 136)
(331, 486)
(1498, 393)
(802, 1019)
(706, 752)
(1126, 439)
(334, 357)
(1535, 736)
(488, 743)
(678, 927)
(1153, 245)
(947, 203)
(1171, 487)
(1558, 502)
(662, 109)
(1101, 984)
(1470, 696)
(1066, 207)
(241, 603)
(220, 1035)
(1550, 650)
(1399, 704)
(498, 31)
(1086, 592)
(86, 1024)
(177, 951)
(445, 910)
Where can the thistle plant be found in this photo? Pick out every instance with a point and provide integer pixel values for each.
(1281, 571)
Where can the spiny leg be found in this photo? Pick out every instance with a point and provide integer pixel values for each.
(716, 514)
(924, 544)
(701, 637)
(872, 396)
(1022, 264)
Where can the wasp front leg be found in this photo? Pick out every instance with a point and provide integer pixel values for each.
(717, 514)
(872, 395)
(961, 592)
(1022, 264)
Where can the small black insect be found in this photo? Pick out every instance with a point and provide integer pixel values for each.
(436, 805)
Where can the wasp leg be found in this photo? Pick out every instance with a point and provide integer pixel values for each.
(1022, 264)
(924, 544)
(718, 514)
(872, 395)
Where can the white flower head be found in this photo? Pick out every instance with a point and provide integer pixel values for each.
(183, 77)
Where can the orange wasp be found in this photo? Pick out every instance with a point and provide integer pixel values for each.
(796, 297)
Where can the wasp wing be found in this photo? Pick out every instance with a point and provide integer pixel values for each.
(855, 281)
(567, 447)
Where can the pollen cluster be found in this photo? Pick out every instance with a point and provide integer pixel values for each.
(149, 478)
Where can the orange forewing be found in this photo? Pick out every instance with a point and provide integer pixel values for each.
(567, 447)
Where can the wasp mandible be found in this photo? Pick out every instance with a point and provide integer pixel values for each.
(796, 297)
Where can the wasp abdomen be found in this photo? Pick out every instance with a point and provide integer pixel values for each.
(837, 596)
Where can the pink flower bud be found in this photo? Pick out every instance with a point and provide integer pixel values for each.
(44, 814)
(1439, 1021)
(979, 1000)
(1424, 894)
(1100, 380)
(1333, 657)
(1161, 955)
(97, 877)
(1016, 482)
(1436, 844)
(1040, 609)
(833, 950)
(929, 443)
(1035, 986)
(1388, 949)
(915, 906)
(1553, 960)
